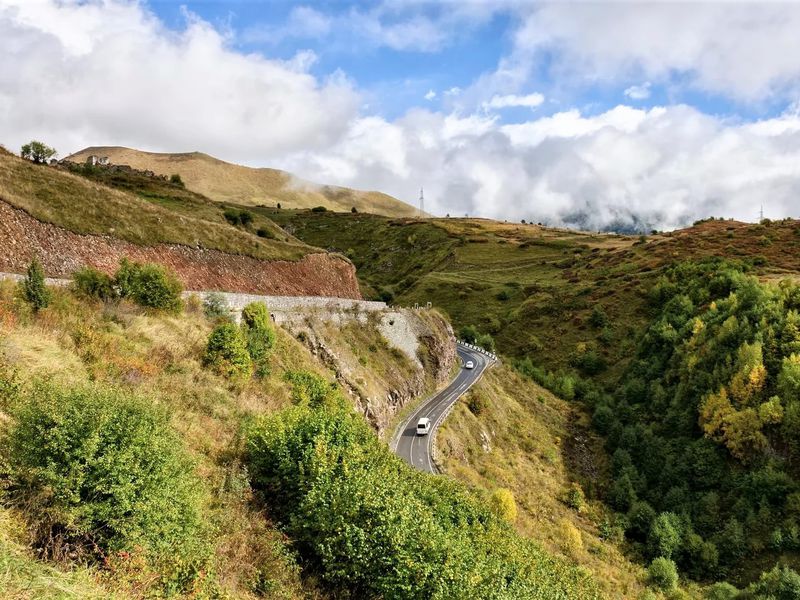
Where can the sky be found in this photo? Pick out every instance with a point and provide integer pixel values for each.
(599, 115)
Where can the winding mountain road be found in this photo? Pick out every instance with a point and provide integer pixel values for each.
(417, 450)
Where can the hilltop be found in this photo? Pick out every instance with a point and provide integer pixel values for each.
(226, 182)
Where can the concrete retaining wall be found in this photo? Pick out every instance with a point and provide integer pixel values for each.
(285, 308)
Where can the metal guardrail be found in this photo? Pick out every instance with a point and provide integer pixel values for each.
(478, 349)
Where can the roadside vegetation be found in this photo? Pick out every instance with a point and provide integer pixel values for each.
(127, 459)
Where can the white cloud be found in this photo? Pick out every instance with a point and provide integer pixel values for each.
(430, 95)
(514, 100)
(665, 167)
(90, 73)
(638, 92)
(745, 50)
(108, 72)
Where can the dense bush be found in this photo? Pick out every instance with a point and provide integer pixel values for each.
(370, 526)
(175, 179)
(471, 335)
(598, 319)
(238, 217)
(91, 283)
(149, 285)
(663, 574)
(226, 352)
(259, 333)
(101, 471)
(477, 403)
(319, 209)
(263, 232)
(34, 288)
(311, 390)
(503, 504)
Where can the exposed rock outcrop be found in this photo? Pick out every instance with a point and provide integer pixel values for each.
(62, 252)
(420, 348)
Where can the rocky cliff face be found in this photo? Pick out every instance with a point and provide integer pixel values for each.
(62, 252)
(382, 360)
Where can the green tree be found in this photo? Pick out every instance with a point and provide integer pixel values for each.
(259, 333)
(34, 288)
(175, 179)
(781, 583)
(372, 527)
(149, 285)
(663, 574)
(226, 352)
(38, 152)
(640, 519)
(665, 535)
(91, 283)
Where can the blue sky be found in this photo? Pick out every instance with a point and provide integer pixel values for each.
(583, 114)
(396, 79)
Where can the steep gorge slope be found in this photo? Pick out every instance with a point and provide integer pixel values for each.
(226, 182)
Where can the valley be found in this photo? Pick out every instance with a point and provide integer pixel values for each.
(643, 408)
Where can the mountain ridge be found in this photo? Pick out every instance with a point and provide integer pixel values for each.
(223, 181)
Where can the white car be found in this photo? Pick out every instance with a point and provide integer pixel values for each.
(423, 426)
(469, 365)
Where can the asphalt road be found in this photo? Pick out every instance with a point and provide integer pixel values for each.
(417, 450)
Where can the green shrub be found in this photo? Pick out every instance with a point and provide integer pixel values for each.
(102, 471)
(149, 285)
(259, 334)
(91, 283)
(34, 288)
(503, 296)
(721, 591)
(175, 179)
(598, 318)
(476, 402)
(226, 352)
(663, 574)
(503, 505)
(319, 209)
(575, 497)
(263, 232)
(309, 389)
(372, 527)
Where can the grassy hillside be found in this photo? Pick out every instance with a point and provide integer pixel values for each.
(535, 289)
(226, 182)
(83, 351)
(510, 433)
(151, 212)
